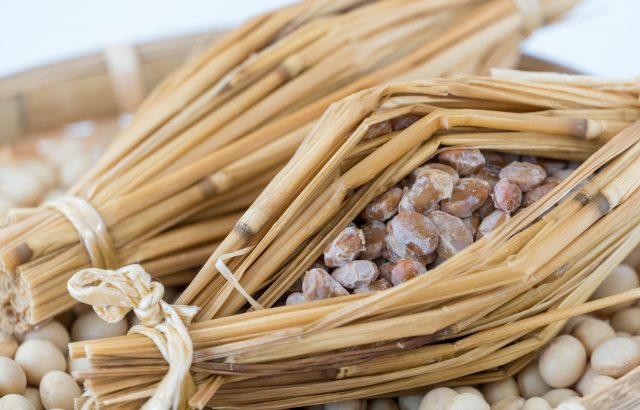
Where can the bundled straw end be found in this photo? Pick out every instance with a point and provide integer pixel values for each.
(16, 257)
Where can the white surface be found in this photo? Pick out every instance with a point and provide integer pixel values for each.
(34, 32)
(600, 37)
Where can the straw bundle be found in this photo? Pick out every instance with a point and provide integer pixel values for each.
(213, 134)
(477, 317)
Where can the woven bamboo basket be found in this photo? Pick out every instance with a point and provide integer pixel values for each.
(92, 87)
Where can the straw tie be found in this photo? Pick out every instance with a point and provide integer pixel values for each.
(113, 293)
(231, 277)
(532, 14)
(91, 228)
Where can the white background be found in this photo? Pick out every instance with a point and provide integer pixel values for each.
(599, 37)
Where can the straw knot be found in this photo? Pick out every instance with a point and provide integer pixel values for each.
(114, 293)
(149, 311)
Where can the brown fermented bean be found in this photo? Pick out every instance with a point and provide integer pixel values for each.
(404, 184)
(491, 222)
(465, 161)
(406, 269)
(453, 233)
(297, 285)
(410, 235)
(472, 222)
(377, 130)
(384, 268)
(374, 233)
(538, 192)
(526, 175)
(485, 210)
(376, 285)
(506, 196)
(427, 191)
(345, 247)
(295, 299)
(408, 181)
(562, 174)
(468, 195)
(494, 158)
(437, 262)
(441, 167)
(318, 284)
(550, 165)
(489, 173)
(384, 206)
(355, 274)
(431, 258)
(499, 159)
(404, 121)
(319, 263)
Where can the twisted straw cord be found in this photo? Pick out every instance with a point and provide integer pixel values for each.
(91, 228)
(532, 14)
(113, 293)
